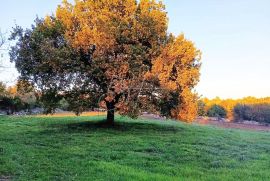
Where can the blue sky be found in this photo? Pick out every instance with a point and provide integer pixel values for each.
(233, 36)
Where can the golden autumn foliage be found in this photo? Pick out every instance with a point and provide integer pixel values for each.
(178, 65)
(187, 110)
(123, 54)
(123, 34)
(102, 23)
(178, 70)
(12, 90)
(229, 104)
(121, 38)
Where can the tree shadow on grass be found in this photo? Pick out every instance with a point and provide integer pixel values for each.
(118, 126)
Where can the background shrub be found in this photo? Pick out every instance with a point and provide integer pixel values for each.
(217, 111)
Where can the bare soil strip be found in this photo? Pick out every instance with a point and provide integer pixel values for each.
(233, 125)
(71, 114)
(5, 178)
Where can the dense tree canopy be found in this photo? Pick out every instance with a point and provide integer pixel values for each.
(113, 53)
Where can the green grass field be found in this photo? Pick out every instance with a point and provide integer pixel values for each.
(83, 148)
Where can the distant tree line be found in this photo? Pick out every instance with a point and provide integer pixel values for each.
(259, 112)
(18, 97)
(23, 97)
(248, 108)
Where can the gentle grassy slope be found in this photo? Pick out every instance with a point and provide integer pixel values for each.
(82, 148)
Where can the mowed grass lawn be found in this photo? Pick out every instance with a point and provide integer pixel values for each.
(83, 148)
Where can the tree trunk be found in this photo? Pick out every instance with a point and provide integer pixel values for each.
(110, 113)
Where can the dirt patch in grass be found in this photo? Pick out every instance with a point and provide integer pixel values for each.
(222, 123)
(71, 114)
(5, 178)
(244, 126)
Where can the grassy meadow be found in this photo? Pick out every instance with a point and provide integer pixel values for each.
(84, 148)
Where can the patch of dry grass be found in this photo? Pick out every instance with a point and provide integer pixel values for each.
(71, 114)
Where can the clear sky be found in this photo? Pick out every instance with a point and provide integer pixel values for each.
(233, 36)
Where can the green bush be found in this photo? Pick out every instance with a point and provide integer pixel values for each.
(11, 104)
(217, 111)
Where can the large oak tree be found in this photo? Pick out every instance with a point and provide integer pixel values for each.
(112, 53)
